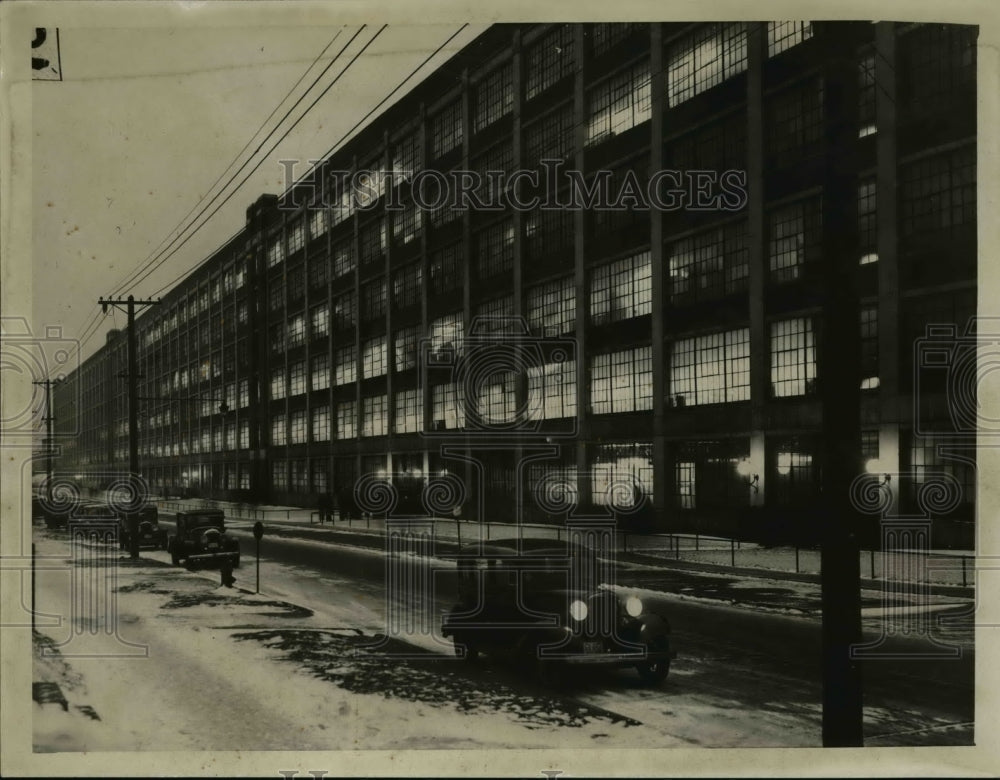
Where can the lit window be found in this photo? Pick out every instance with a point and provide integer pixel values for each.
(345, 370)
(793, 358)
(552, 390)
(297, 378)
(622, 474)
(785, 35)
(279, 475)
(405, 346)
(406, 158)
(619, 103)
(320, 378)
(621, 290)
(709, 265)
(622, 381)
(297, 427)
(300, 476)
(321, 423)
(708, 56)
(406, 223)
(343, 258)
(279, 435)
(549, 60)
(296, 331)
(684, 485)
(374, 416)
(347, 420)
(552, 307)
(372, 241)
(794, 239)
(278, 386)
(869, 348)
(320, 321)
(275, 252)
(296, 236)
(409, 411)
(447, 407)
(373, 358)
(711, 369)
(317, 222)
(345, 310)
(495, 316)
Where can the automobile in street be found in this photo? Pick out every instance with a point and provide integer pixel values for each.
(148, 531)
(541, 603)
(200, 539)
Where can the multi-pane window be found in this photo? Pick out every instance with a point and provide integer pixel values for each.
(345, 366)
(606, 35)
(710, 264)
(548, 232)
(296, 283)
(317, 221)
(319, 320)
(619, 103)
(276, 295)
(370, 182)
(372, 241)
(867, 222)
(867, 90)
(549, 138)
(446, 130)
(406, 283)
(685, 494)
(719, 146)
(275, 252)
(936, 66)
(443, 210)
(296, 334)
(277, 337)
(869, 444)
(345, 310)
(495, 245)
(869, 347)
(373, 300)
(279, 430)
(341, 201)
(496, 399)
(711, 369)
(374, 415)
(794, 123)
(705, 58)
(620, 465)
(321, 423)
(622, 381)
(297, 427)
(445, 270)
(494, 97)
(409, 411)
(447, 407)
(321, 471)
(297, 378)
(448, 332)
(278, 384)
(406, 158)
(494, 315)
(785, 35)
(319, 379)
(319, 273)
(373, 358)
(296, 236)
(299, 476)
(937, 195)
(343, 258)
(279, 474)
(549, 60)
(552, 390)
(405, 346)
(629, 211)
(552, 307)
(794, 238)
(793, 357)
(621, 290)
(406, 223)
(795, 475)
(489, 165)
(347, 420)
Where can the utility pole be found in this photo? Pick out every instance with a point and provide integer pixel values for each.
(49, 418)
(133, 411)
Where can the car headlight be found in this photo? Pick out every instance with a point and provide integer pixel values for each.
(633, 606)
(578, 610)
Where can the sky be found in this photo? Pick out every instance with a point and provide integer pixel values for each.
(144, 122)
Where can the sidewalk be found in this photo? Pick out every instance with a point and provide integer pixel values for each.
(944, 572)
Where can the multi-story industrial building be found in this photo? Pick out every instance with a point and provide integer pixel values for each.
(681, 345)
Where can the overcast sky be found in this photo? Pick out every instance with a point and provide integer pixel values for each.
(145, 120)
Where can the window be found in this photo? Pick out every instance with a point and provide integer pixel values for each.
(447, 407)
(297, 427)
(444, 210)
(619, 103)
(373, 358)
(869, 444)
(321, 473)
(709, 265)
(445, 270)
(347, 420)
(937, 196)
(936, 64)
(498, 158)
(300, 476)
(406, 223)
(496, 401)
(720, 146)
(297, 378)
(707, 474)
(795, 477)
(296, 236)
(320, 377)
(550, 138)
(321, 423)
(276, 295)
(494, 97)
(374, 415)
(278, 386)
(867, 89)
(621, 465)
(552, 307)
(785, 35)
(279, 475)
(409, 411)
(548, 232)
(372, 241)
(705, 58)
(605, 36)
(794, 124)
(447, 332)
(552, 390)
(406, 286)
(279, 430)
(495, 316)
(373, 300)
(342, 201)
(277, 338)
(495, 246)
(793, 239)
(317, 221)
(405, 346)
(446, 130)
(371, 182)
(319, 320)
(343, 259)
(869, 348)
(630, 211)
(793, 358)
(275, 252)
(549, 60)
(621, 290)
(346, 366)
(684, 485)
(867, 222)
(345, 310)
(622, 381)
(296, 283)
(406, 158)
(296, 333)
(318, 273)
(711, 369)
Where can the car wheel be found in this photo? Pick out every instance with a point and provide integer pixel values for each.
(465, 650)
(655, 670)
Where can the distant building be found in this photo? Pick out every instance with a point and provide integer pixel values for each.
(697, 336)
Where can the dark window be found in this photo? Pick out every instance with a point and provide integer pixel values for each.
(709, 265)
(720, 146)
(794, 238)
(406, 284)
(445, 269)
(494, 97)
(550, 138)
(605, 36)
(548, 232)
(867, 90)
(937, 68)
(867, 222)
(446, 130)
(549, 60)
(372, 239)
(937, 195)
(345, 310)
(869, 348)
(495, 246)
(373, 300)
(794, 123)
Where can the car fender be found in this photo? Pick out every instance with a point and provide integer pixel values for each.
(652, 625)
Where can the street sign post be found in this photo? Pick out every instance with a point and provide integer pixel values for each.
(258, 532)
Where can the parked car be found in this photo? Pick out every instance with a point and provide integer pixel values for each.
(94, 516)
(201, 539)
(542, 606)
(149, 533)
